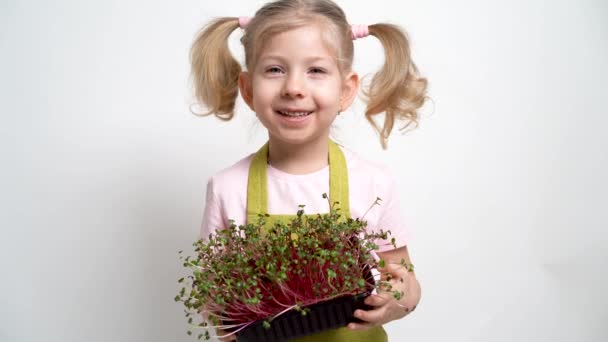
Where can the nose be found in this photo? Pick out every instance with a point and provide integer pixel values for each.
(294, 86)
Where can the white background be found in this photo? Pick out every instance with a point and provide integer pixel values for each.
(104, 168)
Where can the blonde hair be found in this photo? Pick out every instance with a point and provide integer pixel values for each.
(396, 90)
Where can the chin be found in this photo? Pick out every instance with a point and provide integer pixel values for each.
(294, 139)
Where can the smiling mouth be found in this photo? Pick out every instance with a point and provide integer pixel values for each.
(293, 114)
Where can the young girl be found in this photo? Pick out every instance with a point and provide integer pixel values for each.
(298, 78)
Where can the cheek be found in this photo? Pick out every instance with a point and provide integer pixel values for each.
(261, 98)
(329, 96)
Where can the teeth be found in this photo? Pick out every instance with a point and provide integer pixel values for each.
(294, 113)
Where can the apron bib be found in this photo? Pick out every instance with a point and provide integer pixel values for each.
(257, 202)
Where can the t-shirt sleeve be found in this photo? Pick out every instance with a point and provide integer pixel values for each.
(212, 215)
(392, 217)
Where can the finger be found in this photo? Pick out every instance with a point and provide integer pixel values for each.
(360, 326)
(396, 270)
(388, 288)
(371, 316)
(377, 300)
(405, 308)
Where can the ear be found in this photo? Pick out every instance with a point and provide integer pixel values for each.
(246, 88)
(349, 90)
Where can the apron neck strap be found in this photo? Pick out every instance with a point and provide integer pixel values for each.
(257, 193)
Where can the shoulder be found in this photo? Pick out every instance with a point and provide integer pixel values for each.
(365, 171)
(231, 179)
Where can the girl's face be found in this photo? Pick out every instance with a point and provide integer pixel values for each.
(295, 88)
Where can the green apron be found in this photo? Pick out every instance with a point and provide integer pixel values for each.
(257, 202)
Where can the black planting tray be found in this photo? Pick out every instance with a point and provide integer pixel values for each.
(327, 315)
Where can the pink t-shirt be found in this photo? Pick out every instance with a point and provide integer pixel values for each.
(227, 196)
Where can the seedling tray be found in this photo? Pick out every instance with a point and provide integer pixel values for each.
(327, 315)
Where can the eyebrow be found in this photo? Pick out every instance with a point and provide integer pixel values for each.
(308, 59)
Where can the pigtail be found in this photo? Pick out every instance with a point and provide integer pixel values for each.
(397, 89)
(214, 70)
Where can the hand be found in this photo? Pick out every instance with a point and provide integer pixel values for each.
(386, 307)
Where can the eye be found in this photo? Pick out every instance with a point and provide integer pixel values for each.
(316, 70)
(273, 70)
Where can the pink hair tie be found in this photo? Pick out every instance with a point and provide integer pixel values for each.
(359, 31)
(244, 21)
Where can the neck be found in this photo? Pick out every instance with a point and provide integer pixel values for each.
(299, 158)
